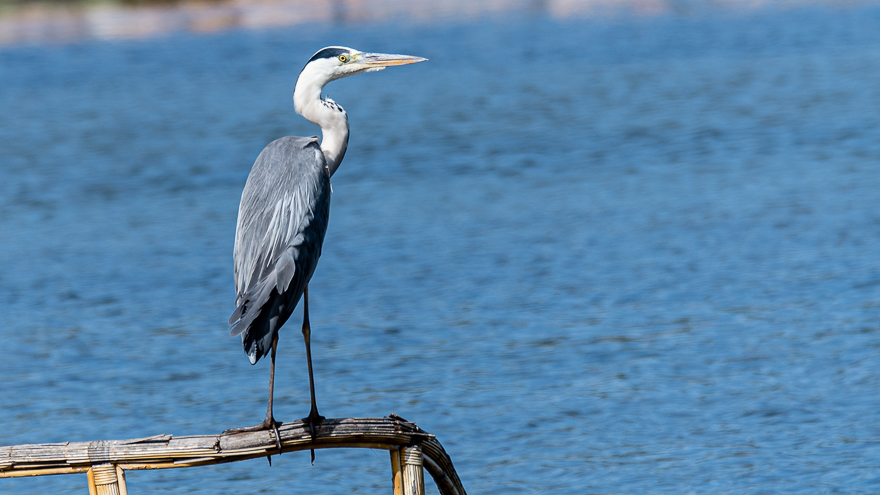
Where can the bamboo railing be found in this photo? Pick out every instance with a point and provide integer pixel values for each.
(106, 461)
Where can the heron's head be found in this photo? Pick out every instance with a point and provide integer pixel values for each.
(336, 62)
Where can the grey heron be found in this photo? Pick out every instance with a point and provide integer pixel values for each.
(283, 216)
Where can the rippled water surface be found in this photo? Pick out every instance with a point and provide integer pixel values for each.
(608, 255)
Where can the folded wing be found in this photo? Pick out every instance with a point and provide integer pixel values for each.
(282, 220)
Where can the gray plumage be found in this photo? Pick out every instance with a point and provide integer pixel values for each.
(282, 220)
(283, 217)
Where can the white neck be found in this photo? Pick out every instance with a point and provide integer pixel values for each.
(325, 113)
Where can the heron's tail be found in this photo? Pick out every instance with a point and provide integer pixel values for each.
(252, 320)
(257, 328)
(261, 311)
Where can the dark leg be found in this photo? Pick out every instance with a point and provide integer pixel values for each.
(314, 417)
(269, 423)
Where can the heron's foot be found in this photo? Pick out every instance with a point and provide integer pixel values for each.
(268, 424)
(313, 419)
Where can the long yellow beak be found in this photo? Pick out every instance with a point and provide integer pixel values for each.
(388, 60)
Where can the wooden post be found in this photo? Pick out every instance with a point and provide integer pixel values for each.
(413, 476)
(106, 479)
(396, 474)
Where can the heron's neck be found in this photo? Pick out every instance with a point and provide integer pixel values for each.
(329, 115)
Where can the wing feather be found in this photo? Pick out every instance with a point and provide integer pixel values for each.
(282, 220)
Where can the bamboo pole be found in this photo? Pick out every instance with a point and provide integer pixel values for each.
(413, 477)
(396, 474)
(105, 479)
(120, 475)
(167, 451)
(90, 476)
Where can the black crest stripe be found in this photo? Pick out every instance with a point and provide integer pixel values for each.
(328, 53)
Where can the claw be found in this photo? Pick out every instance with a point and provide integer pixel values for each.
(313, 420)
(277, 437)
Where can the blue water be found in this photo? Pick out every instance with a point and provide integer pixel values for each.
(610, 255)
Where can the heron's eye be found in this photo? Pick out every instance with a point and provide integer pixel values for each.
(343, 59)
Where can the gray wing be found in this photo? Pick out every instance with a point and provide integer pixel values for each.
(282, 220)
